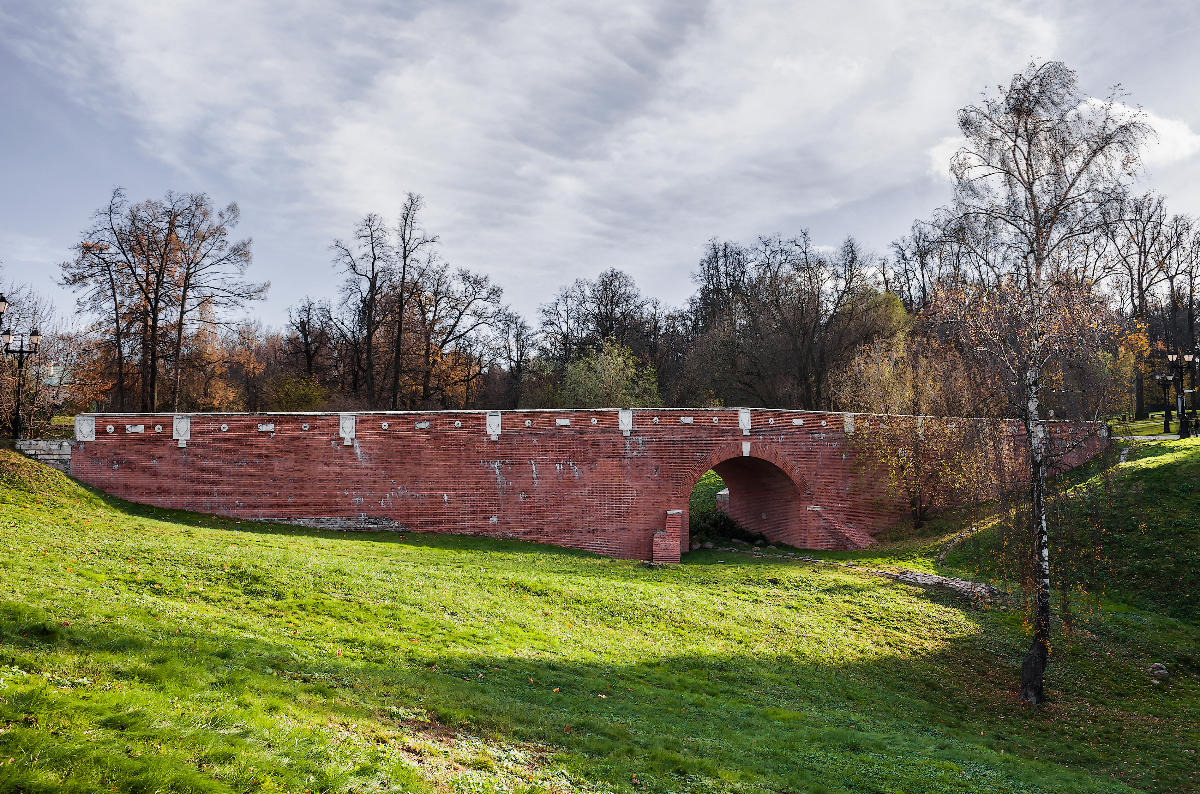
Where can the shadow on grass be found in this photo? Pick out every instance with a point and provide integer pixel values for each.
(195, 707)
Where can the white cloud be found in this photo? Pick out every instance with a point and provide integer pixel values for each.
(550, 141)
(1175, 142)
(1172, 141)
(940, 155)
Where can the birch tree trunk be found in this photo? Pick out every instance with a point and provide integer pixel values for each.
(1033, 668)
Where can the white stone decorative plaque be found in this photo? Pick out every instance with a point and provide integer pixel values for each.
(625, 420)
(346, 428)
(493, 425)
(85, 428)
(181, 429)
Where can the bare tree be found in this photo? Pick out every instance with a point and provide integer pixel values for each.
(412, 242)
(367, 262)
(564, 322)
(1041, 168)
(211, 270)
(451, 306)
(781, 316)
(310, 324)
(517, 342)
(1136, 225)
(97, 271)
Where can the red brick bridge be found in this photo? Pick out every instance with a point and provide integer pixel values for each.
(610, 481)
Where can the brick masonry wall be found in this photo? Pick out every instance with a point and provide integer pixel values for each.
(600, 480)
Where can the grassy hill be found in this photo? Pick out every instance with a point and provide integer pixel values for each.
(152, 651)
(1141, 516)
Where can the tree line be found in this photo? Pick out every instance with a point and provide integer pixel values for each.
(774, 322)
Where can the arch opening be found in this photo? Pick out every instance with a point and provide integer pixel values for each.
(762, 499)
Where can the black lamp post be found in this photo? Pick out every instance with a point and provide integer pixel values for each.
(1195, 368)
(1164, 382)
(1180, 364)
(26, 348)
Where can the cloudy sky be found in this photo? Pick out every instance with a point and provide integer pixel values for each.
(550, 140)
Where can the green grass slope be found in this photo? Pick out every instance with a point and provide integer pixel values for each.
(151, 651)
(1142, 515)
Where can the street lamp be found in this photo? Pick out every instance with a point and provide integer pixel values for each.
(1179, 364)
(25, 349)
(1164, 382)
(1195, 380)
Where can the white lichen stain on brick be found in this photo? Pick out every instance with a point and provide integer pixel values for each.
(499, 477)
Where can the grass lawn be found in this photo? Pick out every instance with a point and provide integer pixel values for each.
(152, 651)
(1143, 427)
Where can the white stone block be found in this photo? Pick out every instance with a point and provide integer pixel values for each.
(181, 429)
(346, 428)
(85, 428)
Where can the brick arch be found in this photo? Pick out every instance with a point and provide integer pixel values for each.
(768, 495)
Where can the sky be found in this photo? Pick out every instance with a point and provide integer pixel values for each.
(550, 140)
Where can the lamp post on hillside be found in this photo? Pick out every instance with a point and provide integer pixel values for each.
(1195, 368)
(1179, 365)
(1164, 382)
(26, 348)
